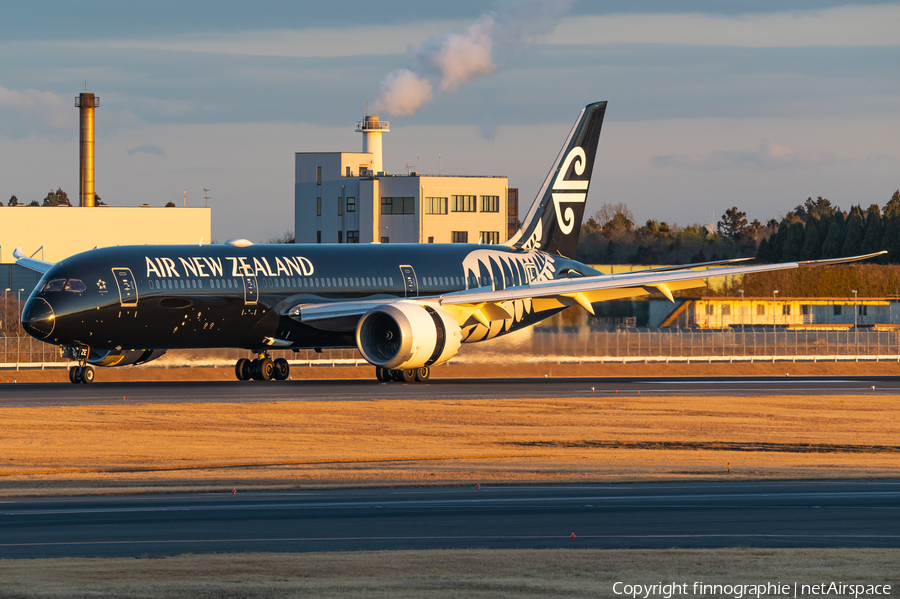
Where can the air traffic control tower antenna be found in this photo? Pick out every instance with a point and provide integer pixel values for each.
(86, 102)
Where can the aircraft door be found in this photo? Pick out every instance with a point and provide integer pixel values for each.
(251, 291)
(128, 294)
(410, 283)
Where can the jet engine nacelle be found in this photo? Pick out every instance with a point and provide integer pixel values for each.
(126, 357)
(407, 334)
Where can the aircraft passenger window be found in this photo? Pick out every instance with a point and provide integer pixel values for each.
(391, 280)
(367, 282)
(379, 281)
(229, 284)
(200, 284)
(194, 283)
(181, 283)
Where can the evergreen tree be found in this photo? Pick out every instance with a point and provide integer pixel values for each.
(13, 201)
(891, 241)
(834, 239)
(812, 248)
(874, 230)
(855, 233)
(892, 208)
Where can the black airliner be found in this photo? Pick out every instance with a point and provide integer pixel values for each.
(405, 307)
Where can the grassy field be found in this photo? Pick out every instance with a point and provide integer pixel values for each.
(293, 445)
(439, 574)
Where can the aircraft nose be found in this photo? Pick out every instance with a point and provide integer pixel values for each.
(38, 319)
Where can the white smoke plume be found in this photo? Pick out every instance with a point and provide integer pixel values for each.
(459, 58)
(403, 92)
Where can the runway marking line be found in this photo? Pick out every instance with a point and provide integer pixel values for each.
(453, 538)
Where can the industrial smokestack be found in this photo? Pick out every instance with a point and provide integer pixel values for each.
(86, 103)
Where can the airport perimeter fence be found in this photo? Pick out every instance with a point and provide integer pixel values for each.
(563, 344)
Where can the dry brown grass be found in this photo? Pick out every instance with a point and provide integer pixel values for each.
(289, 445)
(438, 574)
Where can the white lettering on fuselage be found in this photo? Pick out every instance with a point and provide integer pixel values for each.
(203, 266)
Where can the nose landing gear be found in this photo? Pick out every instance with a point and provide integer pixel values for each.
(262, 368)
(83, 373)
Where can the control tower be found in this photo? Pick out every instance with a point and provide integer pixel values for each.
(86, 103)
(372, 128)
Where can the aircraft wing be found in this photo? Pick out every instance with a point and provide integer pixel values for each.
(31, 263)
(485, 304)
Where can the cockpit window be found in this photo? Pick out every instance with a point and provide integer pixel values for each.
(75, 286)
(54, 285)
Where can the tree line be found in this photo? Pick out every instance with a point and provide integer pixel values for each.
(53, 198)
(814, 230)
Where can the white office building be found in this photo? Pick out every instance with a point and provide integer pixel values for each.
(346, 197)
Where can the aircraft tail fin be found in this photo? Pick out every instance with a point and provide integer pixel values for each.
(553, 222)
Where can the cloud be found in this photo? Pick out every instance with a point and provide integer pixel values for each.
(32, 111)
(873, 25)
(146, 149)
(881, 158)
(769, 156)
(402, 92)
(458, 58)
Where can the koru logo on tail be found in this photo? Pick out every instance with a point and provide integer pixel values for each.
(569, 189)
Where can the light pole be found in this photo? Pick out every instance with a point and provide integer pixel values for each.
(855, 312)
(742, 310)
(19, 312)
(774, 330)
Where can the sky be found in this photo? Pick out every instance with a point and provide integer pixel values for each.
(754, 104)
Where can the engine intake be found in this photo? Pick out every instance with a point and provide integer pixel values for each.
(126, 357)
(407, 334)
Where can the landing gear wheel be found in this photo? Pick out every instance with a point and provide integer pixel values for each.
(87, 375)
(408, 375)
(382, 374)
(395, 375)
(73, 375)
(254, 370)
(265, 369)
(422, 374)
(242, 369)
(282, 369)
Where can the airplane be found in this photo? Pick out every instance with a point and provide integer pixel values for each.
(405, 308)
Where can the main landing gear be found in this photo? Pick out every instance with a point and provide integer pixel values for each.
(81, 374)
(262, 368)
(408, 375)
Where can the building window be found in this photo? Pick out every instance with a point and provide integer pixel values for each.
(490, 237)
(352, 236)
(318, 237)
(340, 237)
(351, 204)
(318, 206)
(318, 175)
(761, 310)
(463, 203)
(490, 203)
(805, 309)
(385, 240)
(340, 206)
(863, 310)
(431, 240)
(349, 173)
(726, 310)
(459, 237)
(786, 310)
(837, 310)
(398, 205)
(710, 309)
(435, 205)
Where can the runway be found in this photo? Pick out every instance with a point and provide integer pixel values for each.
(66, 394)
(752, 514)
